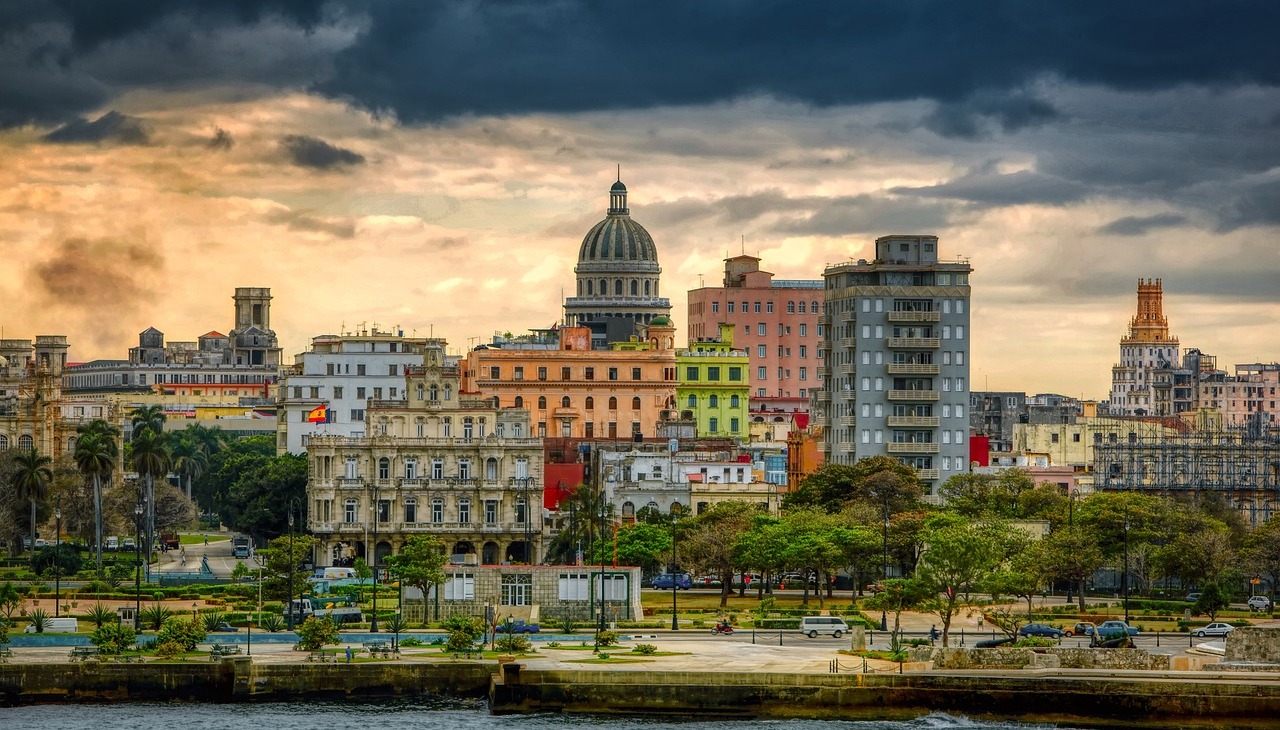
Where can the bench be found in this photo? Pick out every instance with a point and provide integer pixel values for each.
(469, 654)
(128, 658)
(380, 648)
(322, 656)
(218, 651)
(83, 653)
(5, 653)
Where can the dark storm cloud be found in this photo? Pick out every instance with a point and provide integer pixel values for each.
(222, 140)
(112, 127)
(1140, 225)
(1255, 205)
(316, 153)
(990, 188)
(431, 61)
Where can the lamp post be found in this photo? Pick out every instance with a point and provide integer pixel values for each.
(1124, 575)
(288, 604)
(528, 524)
(57, 557)
(675, 623)
(884, 574)
(137, 568)
(257, 616)
(373, 622)
(600, 582)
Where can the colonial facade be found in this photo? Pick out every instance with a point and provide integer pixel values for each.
(713, 389)
(433, 463)
(573, 391)
(1142, 383)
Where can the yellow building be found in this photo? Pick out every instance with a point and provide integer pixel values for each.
(573, 391)
(714, 386)
(1074, 444)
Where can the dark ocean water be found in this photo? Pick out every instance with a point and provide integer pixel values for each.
(405, 715)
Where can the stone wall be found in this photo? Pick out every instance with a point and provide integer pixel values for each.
(1253, 644)
(1014, 658)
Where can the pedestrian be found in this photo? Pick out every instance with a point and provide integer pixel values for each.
(206, 539)
(348, 655)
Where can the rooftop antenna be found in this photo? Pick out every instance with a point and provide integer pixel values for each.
(744, 245)
(619, 172)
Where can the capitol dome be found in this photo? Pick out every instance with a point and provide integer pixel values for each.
(617, 237)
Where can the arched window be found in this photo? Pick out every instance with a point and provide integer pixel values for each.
(617, 287)
(496, 403)
(791, 307)
(733, 401)
(448, 391)
(420, 391)
(468, 427)
(713, 400)
(411, 469)
(591, 289)
(542, 403)
(613, 403)
(628, 512)
(813, 306)
(652, 506)
(591, 403)
(4, 441)
(384, 468)
(635, 403)
(25, 442)
(491, 468)
(646, 287)
(349, 509)
(519, 402)
(437, 510)
(564, 402)
(411, 510)
(635, 288)
(693, 401)
(604, 287)
(435, 392)
(447, 424)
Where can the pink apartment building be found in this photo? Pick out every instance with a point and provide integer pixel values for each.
(776, 321)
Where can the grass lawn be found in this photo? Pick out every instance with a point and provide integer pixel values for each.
(609, 660)
(198, 539)
(661, 600)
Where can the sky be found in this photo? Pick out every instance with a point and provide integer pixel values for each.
(434, 166)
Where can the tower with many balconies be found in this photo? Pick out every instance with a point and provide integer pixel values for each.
(897, 359)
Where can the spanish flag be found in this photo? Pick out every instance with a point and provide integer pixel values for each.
(319, 414)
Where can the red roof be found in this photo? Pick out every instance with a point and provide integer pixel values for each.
(211, 333)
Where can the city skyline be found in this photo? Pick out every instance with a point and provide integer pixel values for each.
(369, 167)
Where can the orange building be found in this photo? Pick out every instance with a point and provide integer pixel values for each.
(573, 391)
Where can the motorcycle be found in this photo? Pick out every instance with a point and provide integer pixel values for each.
(722, 629)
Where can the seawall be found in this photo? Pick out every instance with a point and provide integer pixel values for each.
(237, 680)
(1077, 698)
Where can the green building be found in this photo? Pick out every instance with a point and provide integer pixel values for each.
(714, 386)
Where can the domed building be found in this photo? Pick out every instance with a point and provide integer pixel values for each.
(617, 277)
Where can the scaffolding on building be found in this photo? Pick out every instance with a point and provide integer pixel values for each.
(1171, 458)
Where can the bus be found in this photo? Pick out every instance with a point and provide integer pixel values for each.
(240, 546)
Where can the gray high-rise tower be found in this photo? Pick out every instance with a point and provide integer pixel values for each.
(897, 359)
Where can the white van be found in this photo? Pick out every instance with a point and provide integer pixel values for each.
(332, 573)
(811, 626)
(54, 626)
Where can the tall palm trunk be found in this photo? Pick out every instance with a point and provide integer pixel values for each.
(33, 534)
(97, 517)
(151, 516)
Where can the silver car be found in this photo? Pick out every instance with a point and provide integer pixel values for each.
(1213, 629)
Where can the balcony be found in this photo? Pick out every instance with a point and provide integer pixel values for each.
(915, 316)
(914, 343)
(913, 395)
(847, 368)
(823, 396)
(350, 482)
(929, 474)
(908, 421)
(848, 420)
(565, 413)
(900, 368)
(908, 447)
(847, 342)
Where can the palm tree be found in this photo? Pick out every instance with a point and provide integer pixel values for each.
(31, 482)
(150, 460)
(189, 460)
(96, 453)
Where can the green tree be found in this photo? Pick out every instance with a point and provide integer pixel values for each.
(363, 573)
(1213, 598)
(710, 543)
(10, 598)
(587, 508)
(151, 460)
(832, 487)
(420, 563)
(281, 562)
(1008, 494)
(31, 483)
(1198, 555)
(1071, 553)
(643, 544)
(1261, 553)
(97, 449)
(189, 461)
(251, 486)
(315, 634)
(961, 555)
(899, 595)
(113, 638)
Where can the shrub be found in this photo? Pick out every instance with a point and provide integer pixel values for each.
(553, 644)
(603, 655)
(395, 624)
(271, 622)
(168, 649)
(154, 616)
(411, 642)
(469, 625)
(113, 638)
(39, 619)
(1027, 642)
(645, 649)
(4, 632)
(460, 640)
(516, 644)
(100, 615)
(211, 620)
(185, 633)
(607, 638)
(315, 633)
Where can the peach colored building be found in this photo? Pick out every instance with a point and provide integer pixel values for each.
(775, 321)
(573, 391)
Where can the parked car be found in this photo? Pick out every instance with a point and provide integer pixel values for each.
(1214, 629)
(224, 627)
(811, 626)
(1259, 603)
(707, 581)
(1042, 630)
(518, 626)
(1193, 597)
(663, 582)
(1082, 628)
(1112, 629)
(128, 544)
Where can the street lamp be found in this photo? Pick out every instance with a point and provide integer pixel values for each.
(1124, 575)
(373, 623)
(258, 616)
(675, 623)
(528, 525)
(884, 575)
(57, 557)
(137, 568)
(288, 604)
